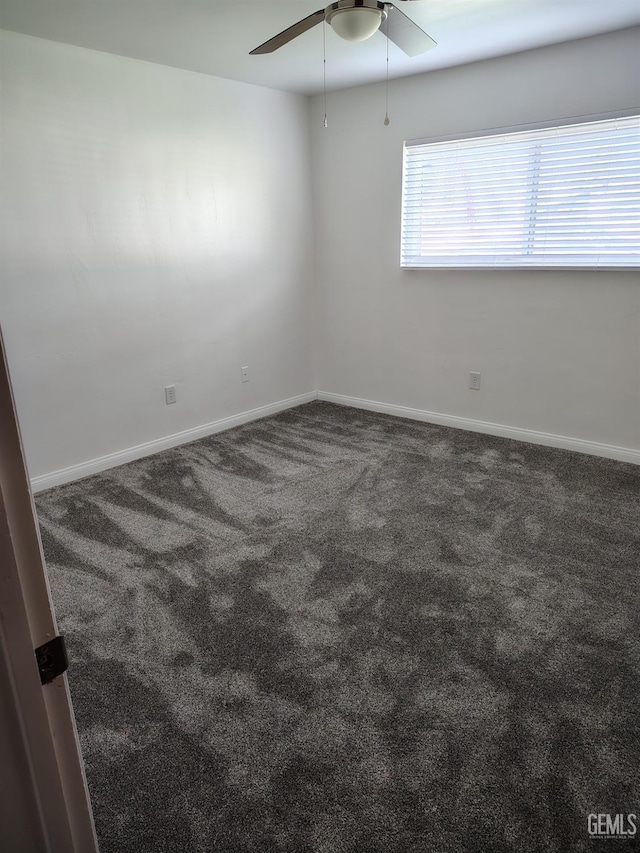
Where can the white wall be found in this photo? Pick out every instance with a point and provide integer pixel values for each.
(558, 351)
(155, 230)
(157, 225)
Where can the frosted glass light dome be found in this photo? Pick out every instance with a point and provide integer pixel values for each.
(356, 24)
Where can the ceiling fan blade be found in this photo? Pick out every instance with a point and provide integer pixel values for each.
(405, 33)
(290, 33)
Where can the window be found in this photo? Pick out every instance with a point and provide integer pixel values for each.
(550, 197)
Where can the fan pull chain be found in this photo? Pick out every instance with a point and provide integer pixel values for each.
(324, 68)
(386, 89)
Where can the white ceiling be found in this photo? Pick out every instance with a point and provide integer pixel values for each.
(215, 36)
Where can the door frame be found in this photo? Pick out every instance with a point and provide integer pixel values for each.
(52, 769)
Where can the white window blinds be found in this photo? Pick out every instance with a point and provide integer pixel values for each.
(552, 197)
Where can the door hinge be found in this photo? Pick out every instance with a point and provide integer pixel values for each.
(52, 659)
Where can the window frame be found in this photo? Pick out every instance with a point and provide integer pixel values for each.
(629, 112)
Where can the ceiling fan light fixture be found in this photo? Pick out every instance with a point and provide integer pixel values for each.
(356, 22)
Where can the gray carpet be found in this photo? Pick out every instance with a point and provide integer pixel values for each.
(336, 631)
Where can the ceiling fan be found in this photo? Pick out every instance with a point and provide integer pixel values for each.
(357, 20)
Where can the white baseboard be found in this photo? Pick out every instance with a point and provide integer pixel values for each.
(594, 448)
(111, 460)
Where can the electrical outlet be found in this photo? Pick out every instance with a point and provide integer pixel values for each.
(474, 381)
(244, 373)
(170, 394)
